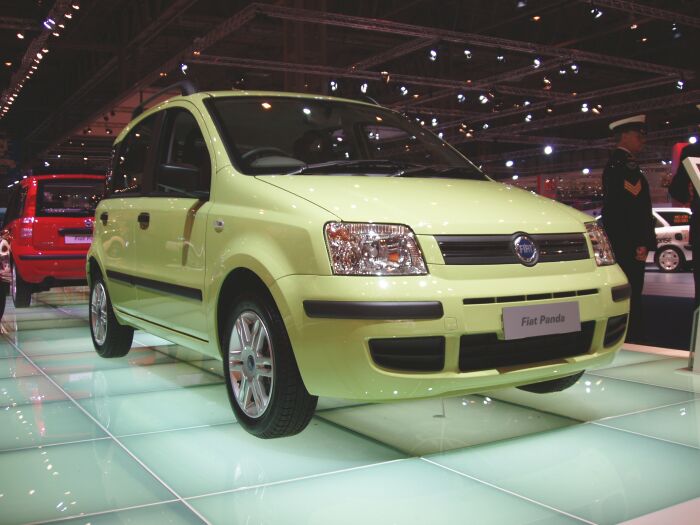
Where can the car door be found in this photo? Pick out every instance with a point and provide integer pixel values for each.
(169, 237)
(118, 213)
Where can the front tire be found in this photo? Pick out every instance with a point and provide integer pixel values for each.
(554, 385)
(20, 289)
(109, 338)
(669, 259)
(263, 382)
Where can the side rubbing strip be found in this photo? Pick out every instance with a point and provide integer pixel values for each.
(160, 286)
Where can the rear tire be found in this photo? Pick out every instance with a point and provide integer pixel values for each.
(263, 382)
(20, 289)
(109, 338)
(3, 297)
(554, 385)
(669, 259)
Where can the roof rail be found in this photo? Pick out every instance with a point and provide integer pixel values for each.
(186, 88)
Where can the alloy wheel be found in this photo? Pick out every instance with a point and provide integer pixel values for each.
(98, 313)
(251, 364)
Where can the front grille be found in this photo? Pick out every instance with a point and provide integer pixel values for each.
(528, 297)
(497, 249)
(415, 354)
(486, 351)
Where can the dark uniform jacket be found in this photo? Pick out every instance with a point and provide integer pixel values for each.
(680, 190)
(627, 205)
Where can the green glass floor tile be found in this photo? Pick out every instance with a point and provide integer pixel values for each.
(134, 379)
(89, 361)
(595, 397)
(7, 350)
(597, 473)
(679, 423)
(669, 373)
(64, 340)
(66, 480)
(28, 389)
(174, 513)
(16, 367)
(227, 457)
(41, 323)
(405, 492)
(166, 410)
(147, 339)
(630, 357)
(435, 425)
(45, 423)
(329, 403)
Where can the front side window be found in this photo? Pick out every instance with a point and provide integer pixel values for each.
(184, 164)
(273, 135)
(68, 198)
(132, 158)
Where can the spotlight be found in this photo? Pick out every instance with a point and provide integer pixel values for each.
(536, 18)
(574, 68)
(680, 85)
(20, 36)
(468, 54)
(584, 107)
(334, 85)
(526, 103)
(461, 98)
(47, 163)
(403, 90)
(676, 32)
(485, 126)
(633, 27)
(75, 5)
(585, 171)
(550, 109)
(108, 131)
(483, 99)
(434, 122)
(536, 63)
(528, 117)
(521, 3)
(183, 68)
(515, 177)
(49, 23)
(562, 71)
(432, 55)
(441, 134)
(363, 87)
(548, 150)
(68, 15)
(500, 57)
(597, 13)
(8, 63)
(509, 164)
(692, 139)
(547, 84)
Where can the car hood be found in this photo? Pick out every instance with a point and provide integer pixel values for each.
(435, 206)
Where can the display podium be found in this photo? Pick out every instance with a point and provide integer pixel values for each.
(692, 167)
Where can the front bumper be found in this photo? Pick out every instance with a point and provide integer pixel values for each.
(333, 353)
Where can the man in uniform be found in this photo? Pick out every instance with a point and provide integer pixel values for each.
(627, 215)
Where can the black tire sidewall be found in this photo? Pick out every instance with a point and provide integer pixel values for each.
(681, 259)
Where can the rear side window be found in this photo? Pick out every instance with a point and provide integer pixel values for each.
(674, 218)
(183, 161)
(68, 198)
(132, 158)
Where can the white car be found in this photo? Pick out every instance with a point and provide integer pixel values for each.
(672, 239)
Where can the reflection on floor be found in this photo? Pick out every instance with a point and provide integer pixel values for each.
(150, 438)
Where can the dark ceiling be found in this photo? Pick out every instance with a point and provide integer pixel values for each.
(110, 53)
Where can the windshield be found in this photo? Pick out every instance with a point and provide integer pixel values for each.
(68, 198)
(276, 135)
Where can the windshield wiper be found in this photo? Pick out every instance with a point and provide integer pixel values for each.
(441, 171)
(356, 166)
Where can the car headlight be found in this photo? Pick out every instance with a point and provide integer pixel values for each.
(357, 248)
(602, 249)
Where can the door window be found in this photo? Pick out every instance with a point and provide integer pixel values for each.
(132, 158)
(184, 163)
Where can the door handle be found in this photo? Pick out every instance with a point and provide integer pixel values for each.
(144, 219)
(104, 216)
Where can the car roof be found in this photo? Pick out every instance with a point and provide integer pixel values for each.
(673, 210)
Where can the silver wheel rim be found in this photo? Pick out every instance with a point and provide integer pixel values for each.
(251, 364)
(669, 260)
(13, 283)
(98, 313)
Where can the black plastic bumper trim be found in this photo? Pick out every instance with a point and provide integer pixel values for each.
(52, 257)
(160, 286)
(622, 292)
(381, 310)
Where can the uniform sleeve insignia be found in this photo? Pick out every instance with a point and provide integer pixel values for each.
(634, 189)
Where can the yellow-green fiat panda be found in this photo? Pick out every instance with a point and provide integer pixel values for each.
(323, 246)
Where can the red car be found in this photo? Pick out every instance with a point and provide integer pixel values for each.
(47, 231)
